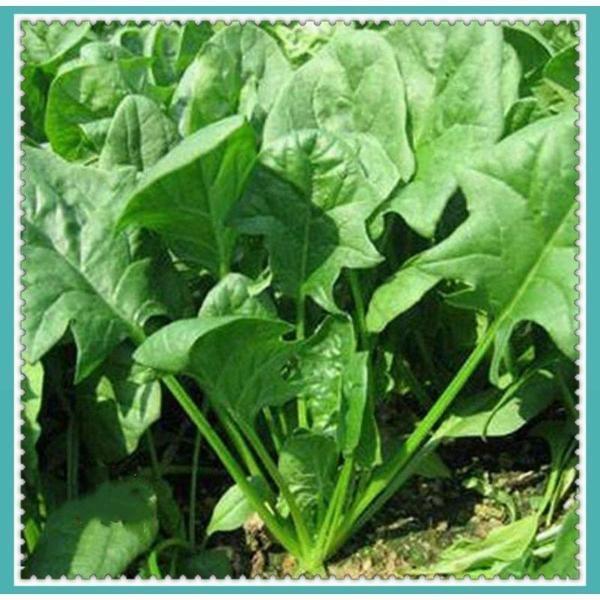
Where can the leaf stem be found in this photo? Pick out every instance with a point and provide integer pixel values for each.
(300, 333)
(193, 488)
(273, 471)
(384, 483)
(154, 462)
(266, 513)
(359, 312)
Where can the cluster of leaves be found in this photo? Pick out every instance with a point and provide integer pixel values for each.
(285, 230)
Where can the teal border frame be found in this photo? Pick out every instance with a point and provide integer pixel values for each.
(7, 325)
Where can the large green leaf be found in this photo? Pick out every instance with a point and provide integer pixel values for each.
(238, 71)
(310, 199)
(308, 463)
(498, 413)
(114, 411)
(99, 535)
(453, 77)
(353, 89)
(31, 402)
(81, 104)
(241, 362)
(516, 251)
(139, 135)
(79, 275)
(188, 194)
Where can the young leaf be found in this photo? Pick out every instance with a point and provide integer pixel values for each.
(233, 508)
(173, 47)
(99, 535)
(341, 91)
(139, 135)
(234, 295)
(310, 199)
(237, 71)
(80, 104)
(453, 77)
(31, 401)
(188, 194)
(78, 274)
(308, 462)
(355, 395)
(322, 363)
(114, 411)
(516, 251)
(45, 44)
(241, 362)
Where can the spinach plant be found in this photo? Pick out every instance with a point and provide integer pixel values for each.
(291, 229)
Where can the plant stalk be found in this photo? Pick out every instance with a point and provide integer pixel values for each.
(265, 512)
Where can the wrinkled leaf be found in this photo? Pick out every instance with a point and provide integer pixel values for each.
(78, 274)
(351, 88)
(139, 135)
(454, 85)
(308, 463)
(310, 199)
(236, 72)
(79, 99)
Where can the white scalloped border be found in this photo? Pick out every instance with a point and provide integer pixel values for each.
(306, 583)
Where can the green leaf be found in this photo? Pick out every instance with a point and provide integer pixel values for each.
(322, 362)
(454, 84)
(188, 194)
(486, 557)
(238, 71)
(139, 135)
(78, 274)
(516, 251)
(47, 44)
(173, 47)
(500, 413)
(31, 402)
(114, 411)
(237, 294)
(241, 362)
(351, 88)
(233, 508)
(310, 199)
(79, 97)
(99, 535)
(564, 563)
(355, 398)
(308, 463)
